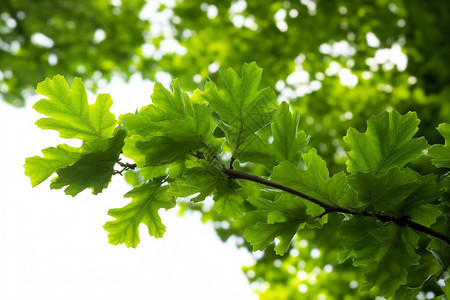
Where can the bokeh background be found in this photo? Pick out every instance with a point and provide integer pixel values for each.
(337, 62)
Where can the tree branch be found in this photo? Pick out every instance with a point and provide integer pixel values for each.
(242, 175)
(329, 208)
(125, 167)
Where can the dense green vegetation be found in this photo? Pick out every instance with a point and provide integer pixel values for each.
(336, 63)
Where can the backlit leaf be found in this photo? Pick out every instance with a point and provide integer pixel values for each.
(242, 109)
(40, 168)
(70, 114)
(146, 201)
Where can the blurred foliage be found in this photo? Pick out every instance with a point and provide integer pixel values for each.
(337, 62)
(88, 39)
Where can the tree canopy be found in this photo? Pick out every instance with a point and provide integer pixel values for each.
(343, 68)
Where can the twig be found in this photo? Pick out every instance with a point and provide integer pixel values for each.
(125, 167)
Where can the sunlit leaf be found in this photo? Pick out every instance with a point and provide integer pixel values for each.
(70, 114)
(242, 109)
(40, 168)
(146, 201)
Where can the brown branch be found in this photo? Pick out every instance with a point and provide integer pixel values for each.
(125, 167)
(246, 176)
(329, 208)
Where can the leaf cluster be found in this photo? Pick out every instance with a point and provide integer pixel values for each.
(190, 147)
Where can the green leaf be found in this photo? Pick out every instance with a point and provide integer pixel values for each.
(418, 276)
(384, 251)
(261, 234)
(91, 170)
(285, 216)
(201, 180)
(399, 192)
(288, 141)
(69, 112)
(146, 201)
(386, 144)
(292, 207)
(227, 200)
(287, 144)
(385, 193)
(440, 154)
(40, 168)
(438, 248)
(132, 177)
(446, 288)
(242, 109)
(165, 131)
(161, 150)
(131, 151)
(315, 181)
(166, 106)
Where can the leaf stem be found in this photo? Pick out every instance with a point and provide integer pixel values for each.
(329, 208)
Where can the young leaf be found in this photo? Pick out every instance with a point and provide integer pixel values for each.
(69, 112)
(146, 201)
(383, 250)
(40, 168)
(166, 106)
(315, 181)
(386, 144)
(440, 154)
(165, 139)
(91, 170)
(243, 110)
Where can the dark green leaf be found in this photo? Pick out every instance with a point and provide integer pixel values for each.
(384, 251)
(92, 170)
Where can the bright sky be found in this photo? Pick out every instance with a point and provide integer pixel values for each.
(54, 246)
